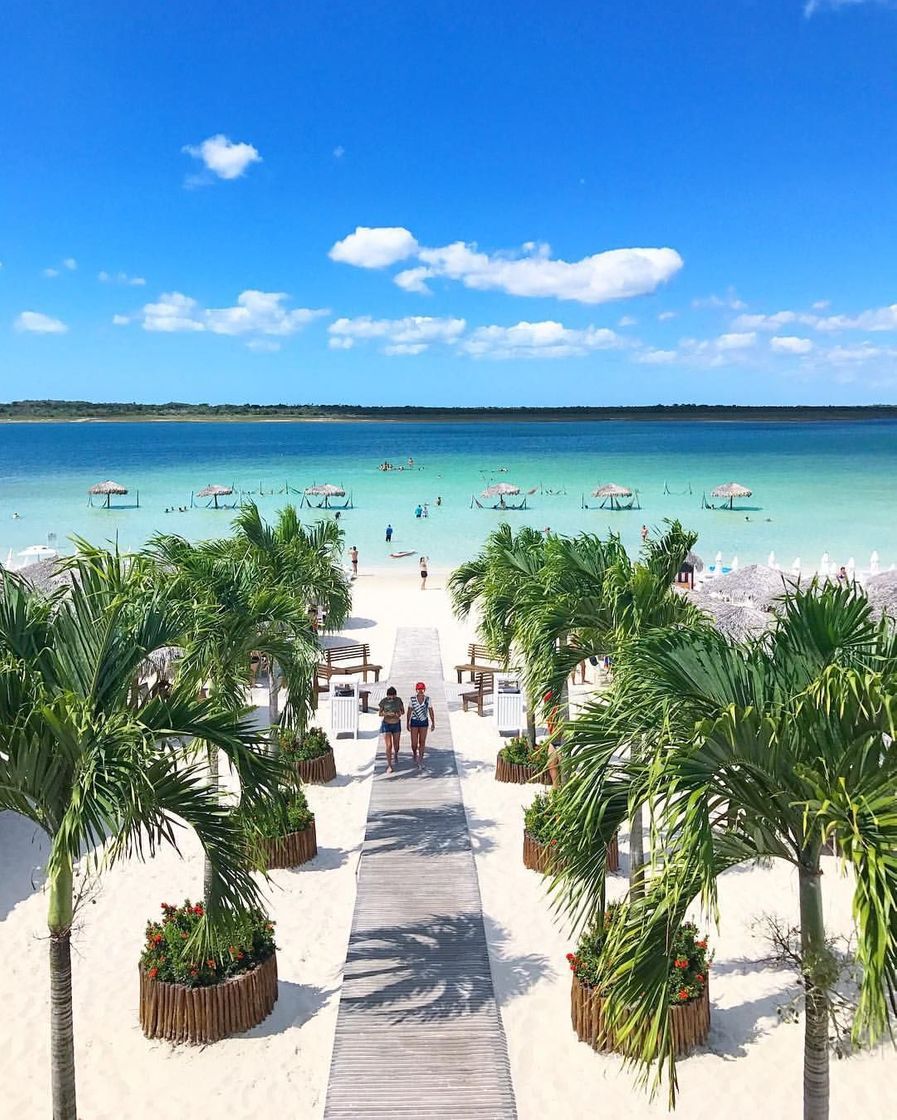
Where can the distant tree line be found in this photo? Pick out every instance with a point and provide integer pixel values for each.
(175, 410)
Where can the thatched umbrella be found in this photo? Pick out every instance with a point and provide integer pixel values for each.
(696, 562)
(881, 591)
(214, 491)
(500, 490)
(108, 488)
(325, 490)
(160, 661)
(731, 490)
(45, 576)
(612, 492)
(738, 622)
(755, 585)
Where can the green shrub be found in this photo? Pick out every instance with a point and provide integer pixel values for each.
(170, 952)
(519, 752)
(540, 818)
(302, 748)
(271, 821)
(688, 966)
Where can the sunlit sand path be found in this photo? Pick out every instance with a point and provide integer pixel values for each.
(418, 1030)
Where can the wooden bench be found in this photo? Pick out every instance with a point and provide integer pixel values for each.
(478, 659)
(485, 682)
(347, 660)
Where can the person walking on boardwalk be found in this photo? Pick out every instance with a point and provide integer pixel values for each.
(353, 557)
(423, 573)
(421, 719)
(391, 711)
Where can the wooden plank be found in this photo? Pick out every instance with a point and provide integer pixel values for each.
(418, 1031)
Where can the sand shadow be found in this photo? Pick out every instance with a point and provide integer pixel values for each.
(733, 1028)
(327, 859)
(24, 850)
(436, 969)
(296, 1005)
(359, 624)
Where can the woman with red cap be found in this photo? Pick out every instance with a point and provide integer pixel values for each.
(421, 718)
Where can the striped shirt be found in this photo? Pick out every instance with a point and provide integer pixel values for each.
(419, 709)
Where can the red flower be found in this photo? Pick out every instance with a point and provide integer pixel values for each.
(211, 964)
(700, 978)
(194, 972)
(681, 962)
(569, 956)
(701, 944)
(153, 973)
(683, 994)
(198, 910)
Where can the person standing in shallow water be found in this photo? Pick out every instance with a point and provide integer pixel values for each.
(423, 573)
(421, 719)
(388, 533)
(353, 557)
(391, 711)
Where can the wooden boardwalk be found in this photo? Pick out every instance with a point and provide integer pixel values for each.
(418, 1032)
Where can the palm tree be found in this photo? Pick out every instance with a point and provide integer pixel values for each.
(761, 750)
(494, 583)
(302, 562)
(592, 599)
(97, 771)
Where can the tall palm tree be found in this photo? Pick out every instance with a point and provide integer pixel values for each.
(301, 561)
(493, 583)
(763, 750)
(99, 771)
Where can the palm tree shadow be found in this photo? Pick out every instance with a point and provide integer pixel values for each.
(732, 1029)
(426, 830)
(296, 1005)
(327, 859)
(356, 623)
(24, 849)
(434, 970)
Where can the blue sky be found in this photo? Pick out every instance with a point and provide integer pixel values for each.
(450, 203)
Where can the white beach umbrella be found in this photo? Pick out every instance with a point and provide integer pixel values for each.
(36, 552)
(851, 567)
(771, 560)
(874, 565)
(824, 565)
(734, 563)
(795, 567)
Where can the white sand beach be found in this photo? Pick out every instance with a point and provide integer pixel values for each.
(751, 1065)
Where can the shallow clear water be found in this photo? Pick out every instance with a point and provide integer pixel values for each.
(823, 487)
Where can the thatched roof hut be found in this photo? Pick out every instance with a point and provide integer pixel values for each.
(733, 620)
(215, 492)
(755, 585)
(46, 576)
(696, 562)
(881, 590)
(107, 489)
(612, 490)
(731, 491)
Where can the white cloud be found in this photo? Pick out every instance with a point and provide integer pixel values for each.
(771, 322)
(876, 319)
(821, 305)
(627, 321)
(410, 335)
(339, 151)
(856, 355)
(546, 339)
(375, 248)
(655, 357)
(789, 344)
(35, 322)
(121, 278)
(255, 312)
(67, 265)
(730, 300)
(263, 345)
(736, 341)
(811, 7)
(121, 320)
(70, 263)
(222, 157)
(50, 273)
(666, 316)
(531, 271)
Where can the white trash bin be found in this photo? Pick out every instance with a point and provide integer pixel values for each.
(507, 702)
(344, 705)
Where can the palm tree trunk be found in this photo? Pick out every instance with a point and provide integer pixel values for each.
(207, 878)
(273, 693)
(531, 720)
(813, 954)
(62, 1035)
(637, 853)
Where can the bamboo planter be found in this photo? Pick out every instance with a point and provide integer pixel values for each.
(689, 1022)
(539, 856)
(199, 1015)
(519, 773)
(318, 771)
(289, 850)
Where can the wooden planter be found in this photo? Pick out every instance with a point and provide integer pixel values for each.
(318, 770)
(689, 1022)
(538, 856)
(181, 1014)
(290, 850)
(519, 773)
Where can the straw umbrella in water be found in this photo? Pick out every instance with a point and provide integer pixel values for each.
(325, 490)
(500, 490)
(611, 493)
(215, 492)
(107, 489)
(731, 491)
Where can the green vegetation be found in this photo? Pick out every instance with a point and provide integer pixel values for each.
(518, 752)
(295, 747)
(540, 819)
(177, 410)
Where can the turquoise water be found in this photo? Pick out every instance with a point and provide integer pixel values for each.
(823, 487)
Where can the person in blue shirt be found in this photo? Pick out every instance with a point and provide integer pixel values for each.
(388, 533)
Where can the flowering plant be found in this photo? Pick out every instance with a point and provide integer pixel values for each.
(540, 818)
(519, 751)
(295, 747)
(171, 951)
(688, 965)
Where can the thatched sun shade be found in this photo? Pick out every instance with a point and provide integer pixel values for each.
(325, 490)
(733, 620)
(754, 585)
(215, 492)
(107, 489)
(500, 490)
(612, 490)
(730, 491)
